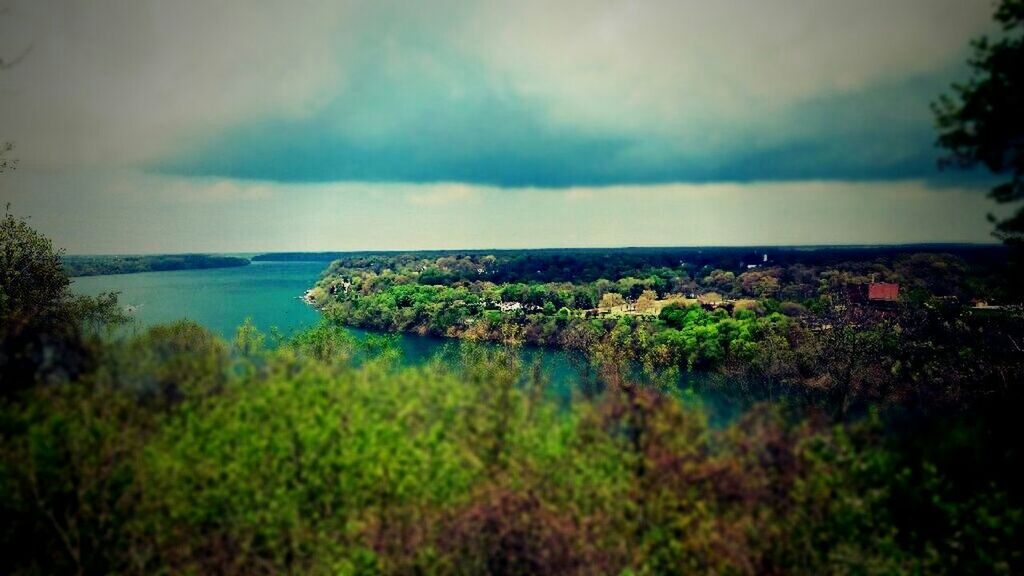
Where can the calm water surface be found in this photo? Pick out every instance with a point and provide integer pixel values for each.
(270, 293)
(220, 298)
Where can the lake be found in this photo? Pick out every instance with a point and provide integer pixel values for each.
(270, 293)
(218, 298)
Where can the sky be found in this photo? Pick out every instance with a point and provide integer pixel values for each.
(144, 126)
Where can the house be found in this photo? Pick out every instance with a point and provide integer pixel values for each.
(883, 292)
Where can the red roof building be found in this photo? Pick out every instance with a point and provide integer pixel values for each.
(883, 292)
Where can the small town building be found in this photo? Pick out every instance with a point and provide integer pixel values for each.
(883, 292)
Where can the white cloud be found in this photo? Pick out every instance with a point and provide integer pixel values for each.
(121, 82)
(113, 84)
(660, 65)
(118, 82)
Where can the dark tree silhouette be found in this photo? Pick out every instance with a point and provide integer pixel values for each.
(982, 121)
(42, 323)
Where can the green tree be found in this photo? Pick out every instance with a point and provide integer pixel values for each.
(645, 303)
(41, 323)
(982, 122)
(611, 300)
(32, 281)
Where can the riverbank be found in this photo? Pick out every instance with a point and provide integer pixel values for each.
(80, 266)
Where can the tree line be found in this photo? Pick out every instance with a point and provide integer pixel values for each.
(100, 265)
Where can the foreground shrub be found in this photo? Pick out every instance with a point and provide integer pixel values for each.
(265, 461)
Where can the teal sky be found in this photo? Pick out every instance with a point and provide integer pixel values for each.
(146, 126)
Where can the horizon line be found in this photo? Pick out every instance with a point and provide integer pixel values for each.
(255, 253)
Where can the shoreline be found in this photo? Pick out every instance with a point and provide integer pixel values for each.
(307, 297)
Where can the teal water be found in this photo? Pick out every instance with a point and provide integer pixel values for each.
(220, 298)
(270, 293)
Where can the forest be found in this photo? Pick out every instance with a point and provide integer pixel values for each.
(590, 264)
(173, 451)
(791, 325)
(100, 265)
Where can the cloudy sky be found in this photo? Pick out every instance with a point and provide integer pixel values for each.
(236, 125)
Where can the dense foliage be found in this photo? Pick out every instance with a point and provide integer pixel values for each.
(98, 265)
(798, 326)
(42, 324)
(183, 454)
(172, 451)
(591, 264)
